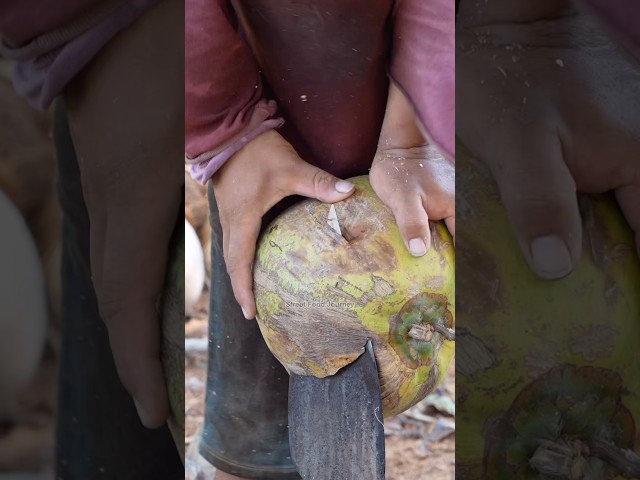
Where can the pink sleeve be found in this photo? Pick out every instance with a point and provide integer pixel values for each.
(423, 65)
(223, 91)
(620, 17)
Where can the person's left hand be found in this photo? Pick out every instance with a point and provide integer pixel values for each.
(126, 114)
(415, 181)
(552, 108)
(418, 185)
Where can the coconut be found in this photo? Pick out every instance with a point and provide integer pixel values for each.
(172, 314)
(327, 278)
(547, 371)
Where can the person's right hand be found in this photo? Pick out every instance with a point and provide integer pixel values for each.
(250, 183)
(552, 106)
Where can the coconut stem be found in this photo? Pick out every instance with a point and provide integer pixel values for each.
(448, 333)
(626, 462)
(569, 458)
(424, 333)
(563, 459)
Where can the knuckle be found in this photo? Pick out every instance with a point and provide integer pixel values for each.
(238, 269)
(110, 302)
(234, 265)
(549, 204)
(321, 181)
(413, 227)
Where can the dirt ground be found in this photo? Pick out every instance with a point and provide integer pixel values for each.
(420, 444)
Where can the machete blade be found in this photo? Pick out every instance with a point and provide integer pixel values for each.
(336, 429)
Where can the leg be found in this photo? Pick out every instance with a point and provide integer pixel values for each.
(246, 419)
(98, 434)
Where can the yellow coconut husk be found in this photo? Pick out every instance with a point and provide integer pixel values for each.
(321, 294)
(545, 369)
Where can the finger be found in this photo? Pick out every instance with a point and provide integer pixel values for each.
(136, 352)
(539, 194)
(629, 200)
(241, 250)
(450, 222)
(129, 272)
(309, 181)
(412, 221)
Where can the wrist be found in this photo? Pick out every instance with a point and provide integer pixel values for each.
(258, 153)
(400, 128)
(204, 168)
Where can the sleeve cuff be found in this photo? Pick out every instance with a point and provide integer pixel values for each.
(205, 165)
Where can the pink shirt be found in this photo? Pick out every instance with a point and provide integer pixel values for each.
(23, 20)
(53, 40)
(326, 64)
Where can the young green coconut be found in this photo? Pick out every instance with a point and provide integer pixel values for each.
(327, 278)
(547, 371)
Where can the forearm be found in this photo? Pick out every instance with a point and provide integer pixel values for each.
(619, 18)
(616, 18)
(423, 65)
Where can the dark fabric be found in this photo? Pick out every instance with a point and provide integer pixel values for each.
(99, 435)
(245, 430)
(323, 62)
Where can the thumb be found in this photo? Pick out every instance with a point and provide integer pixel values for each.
(539, 194)
(313, 182)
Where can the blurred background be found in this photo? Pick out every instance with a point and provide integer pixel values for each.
(29, 287)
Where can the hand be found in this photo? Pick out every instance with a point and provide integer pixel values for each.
(552, 107)
(411, 177)
(417, 184)
(126, 120)
(252, 181)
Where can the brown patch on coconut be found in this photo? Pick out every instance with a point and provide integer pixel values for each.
(478, 276)
(473, 356)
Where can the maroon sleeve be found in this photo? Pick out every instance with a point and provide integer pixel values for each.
(423, 65)
(222, 81)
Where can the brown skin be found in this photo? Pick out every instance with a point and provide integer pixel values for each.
(257, 177)
(411, 177)
(270, 170)
(132, 212)
(561, 114)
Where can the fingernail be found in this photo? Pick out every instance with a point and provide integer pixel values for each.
(417, 247)
(343, 186)
(142, 413)
(550, 257)
(244, 312)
